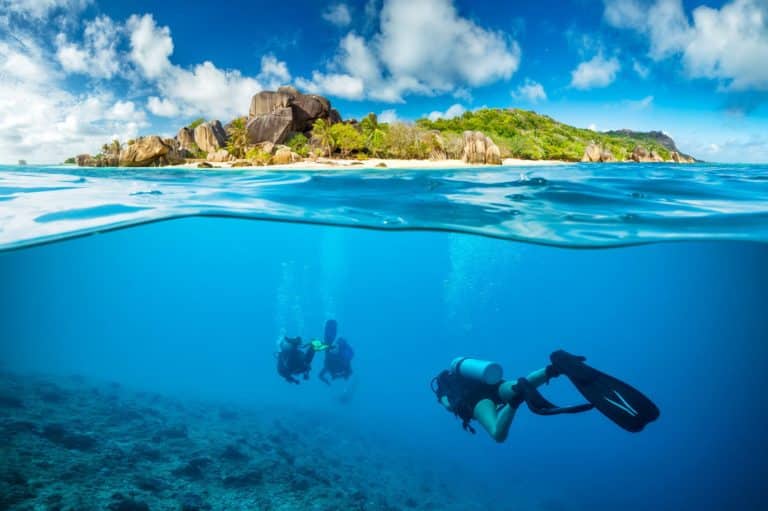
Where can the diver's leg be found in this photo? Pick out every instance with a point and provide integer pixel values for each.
(537, 378)
(495, 422)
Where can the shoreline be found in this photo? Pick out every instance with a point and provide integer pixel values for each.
(375, 164)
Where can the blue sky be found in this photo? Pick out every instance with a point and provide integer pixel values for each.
(75, 73)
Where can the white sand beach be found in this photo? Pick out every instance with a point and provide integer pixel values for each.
(381, 164)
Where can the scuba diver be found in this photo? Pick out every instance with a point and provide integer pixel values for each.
(295, 358)
(338, 357)
(474, 389)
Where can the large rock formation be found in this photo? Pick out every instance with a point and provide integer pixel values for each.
(220, 156)
(273, 127)
(478, 148)
(210, 136)
(186, 139)
(597, 153)
(681, 158)
(151, 151)
(640, 154)
(274, 115)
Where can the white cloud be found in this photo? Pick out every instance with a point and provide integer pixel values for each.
(453, 111)
(202, 90)
(97, 56)
(339, 85)
(530, 91)
(162, 107)
(592, 127)
(39, 9)
(274, 71)
(640, 104)
(41, 122)
(641, 70)
(150, 45)
(729, 44)
(422, 47)
(389, 116)
(338, 15)
(595, 73)
(209, 91)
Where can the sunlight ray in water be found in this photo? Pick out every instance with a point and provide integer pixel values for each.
(577, 205)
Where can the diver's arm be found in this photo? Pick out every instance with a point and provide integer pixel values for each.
(444, 401)
(537, 379)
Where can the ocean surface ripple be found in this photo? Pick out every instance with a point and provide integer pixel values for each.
(583, 205)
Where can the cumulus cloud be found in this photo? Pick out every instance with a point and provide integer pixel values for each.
(453, 111)
(640, 104)
(151, 46)
(162, 107)
(422, 47)
(530, 91)
(338, 15)
(389, 116)
(595, 73)
(274, 71)
(39, 9)
(97, 55)
(641, 70)
(40, 121)
(203, 89)
(729, 44)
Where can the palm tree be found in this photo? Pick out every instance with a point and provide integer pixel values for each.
(237, 144)
(321, 132)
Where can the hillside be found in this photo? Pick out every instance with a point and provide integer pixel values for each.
(528, 135)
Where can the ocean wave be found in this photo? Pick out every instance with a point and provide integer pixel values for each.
(588, 205)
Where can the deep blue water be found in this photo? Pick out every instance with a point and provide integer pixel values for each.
(193, 307)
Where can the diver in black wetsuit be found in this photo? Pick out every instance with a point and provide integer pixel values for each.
(295, 358)
(338, 361)
(474, 389)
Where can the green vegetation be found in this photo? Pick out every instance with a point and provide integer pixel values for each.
(237, 145)
(528, 135)
(258, 155)
(196, 152)
(321, 135)
(347, 138)
(70, 160)
(197, 122)
(299, 145)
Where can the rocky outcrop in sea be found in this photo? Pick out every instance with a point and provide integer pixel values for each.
(72, 445)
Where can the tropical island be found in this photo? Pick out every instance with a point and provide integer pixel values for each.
(286, 127)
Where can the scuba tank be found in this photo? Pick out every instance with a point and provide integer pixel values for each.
(330, 331)
(483, 371)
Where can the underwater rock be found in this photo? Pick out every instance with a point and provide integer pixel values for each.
(232, 453)
(122, 503)
(151, 484)
(228, 415)
(59, 435)
(8, 401)
(194, 469)
(244, 480)
(192, 502)
(14, 489)
(171, 433)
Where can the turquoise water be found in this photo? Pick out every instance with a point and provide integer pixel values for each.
(146, 328)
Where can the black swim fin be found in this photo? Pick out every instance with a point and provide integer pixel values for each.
(330, 331)
(538, 404)
(620, 402)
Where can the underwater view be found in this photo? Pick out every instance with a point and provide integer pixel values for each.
(146, 315)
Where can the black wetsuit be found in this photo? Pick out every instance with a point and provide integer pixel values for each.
(293, 361)
(463, 394)
(337, 364)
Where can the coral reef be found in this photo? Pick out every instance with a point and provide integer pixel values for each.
(71, 445)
